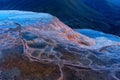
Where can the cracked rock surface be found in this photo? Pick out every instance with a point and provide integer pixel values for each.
(37, 46)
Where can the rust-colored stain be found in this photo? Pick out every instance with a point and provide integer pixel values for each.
(72, 36)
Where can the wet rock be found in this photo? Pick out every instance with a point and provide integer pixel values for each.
(37, 46)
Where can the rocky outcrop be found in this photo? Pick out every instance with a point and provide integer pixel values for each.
(37, 46)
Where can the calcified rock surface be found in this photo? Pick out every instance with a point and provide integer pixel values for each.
(37, 46)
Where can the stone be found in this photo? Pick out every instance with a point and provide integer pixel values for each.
(38, 46)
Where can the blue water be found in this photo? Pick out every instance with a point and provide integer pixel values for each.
(114, 2)
(101, 15)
